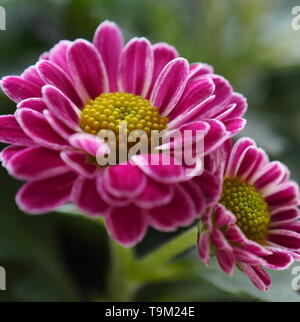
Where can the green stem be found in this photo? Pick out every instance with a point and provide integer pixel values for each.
(120, 287)
(166, 252)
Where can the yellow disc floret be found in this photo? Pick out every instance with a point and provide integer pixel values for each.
(249, 207)
(107, 111)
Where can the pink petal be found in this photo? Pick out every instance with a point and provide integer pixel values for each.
(36, 126)
(7, 153)
(162, 54)
(284, 238)
(41, 196)
(11, 132)
(199, 69)
(108, 40)
(78, 162)
(246, 256)
(59, 127)
(88, 143)
(36, 104)
(215, 137)
(18, 89)
(179, 212)
(196, 194)
(36, 163)
(219, 239)
(223, 217)
(191, 115)
(86, 197)
(223, 94)
(260, 161)
(107, 196)
(55, 76)
(124, 180)
(87, 68)
(257, 276)
(226, 260)
(279, 259)
(272, 173)
(61, 107)
(255, 248)
(196, 92)
(286, 194)
(235, 125)
(155, 194)
(204, 247)
(235, 234)
(136, 67)
(237, 153)
(210, 186)
(170, 85)
(127, 225)
(160, 167)
(58, 55)
(240, 106)
(30, 74)
(246, 162)
(284, 215)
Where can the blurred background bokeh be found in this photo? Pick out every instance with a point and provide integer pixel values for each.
(250, 42)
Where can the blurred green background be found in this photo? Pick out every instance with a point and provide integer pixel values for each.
(250, 42)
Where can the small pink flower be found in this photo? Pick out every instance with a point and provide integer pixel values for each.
(74, 91)
(254, 224)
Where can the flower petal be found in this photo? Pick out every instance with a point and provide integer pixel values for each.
(210, 186)
(40, 196)
(160, 167)
(7, 153)
(87, 68)
(155, 194)
(136, 67)
(53, 75)
(36, 104)
(12, 133)
(204, 247)
(86, 197)
(257, 276)
(162, 54)
(61, 107)
(170, 85)
(88, 143)
(78, 162)
(196, 92)
(179, 212)
(108, 40)
(127, 225)
(36, 126)
(18, 89)
(226, 260)
(279, 259)
(285, 238)
(124, 180)
(58, 55)
(36, 163)
(223, 217)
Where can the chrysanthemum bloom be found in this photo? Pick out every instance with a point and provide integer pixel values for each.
(254, 224)
(79, 88)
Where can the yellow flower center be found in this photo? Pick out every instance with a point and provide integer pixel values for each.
(249, 207)
(107, 111)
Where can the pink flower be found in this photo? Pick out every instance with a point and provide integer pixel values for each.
(71, 93)
(254, 224)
